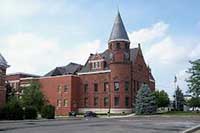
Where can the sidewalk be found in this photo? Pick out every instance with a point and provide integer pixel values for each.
(116, 116)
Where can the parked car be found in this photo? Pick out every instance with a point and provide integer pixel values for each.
(72, 113)
(90, 114)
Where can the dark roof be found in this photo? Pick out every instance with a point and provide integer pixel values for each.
(3, 62)
(71, 68)
(23, 74)
(118, 30)
(106, 56)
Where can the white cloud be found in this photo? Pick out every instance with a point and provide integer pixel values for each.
(147, 35)
(167, 55)
(10, 9)
(28, 52)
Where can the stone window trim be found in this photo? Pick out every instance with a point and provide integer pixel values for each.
(59, 89)
(65, 88)
(96, 101)
(116, 101)
(65, 103)
(126, 86)
(59, 103)
(116, 86)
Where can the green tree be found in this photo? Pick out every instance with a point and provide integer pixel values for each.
(162, 98)
(194, 102)
(32, 96)
(178, 99)
(194, 79)
(145, 101)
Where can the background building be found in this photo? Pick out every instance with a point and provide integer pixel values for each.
(3, 67)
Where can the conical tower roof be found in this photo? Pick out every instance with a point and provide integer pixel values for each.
(118, 31)
(3, 62)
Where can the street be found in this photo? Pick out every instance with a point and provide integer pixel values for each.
(152, 124)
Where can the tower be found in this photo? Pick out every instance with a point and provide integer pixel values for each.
(120, 66)
(3, 67)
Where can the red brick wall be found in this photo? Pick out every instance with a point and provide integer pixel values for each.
(120, 73)
(91, 79)
(49, 86)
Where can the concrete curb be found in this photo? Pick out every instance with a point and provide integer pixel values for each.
(193, 129)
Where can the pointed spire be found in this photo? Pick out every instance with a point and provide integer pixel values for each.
(118, 31)
(3, 62)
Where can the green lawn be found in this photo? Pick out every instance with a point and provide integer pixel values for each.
(180, 113)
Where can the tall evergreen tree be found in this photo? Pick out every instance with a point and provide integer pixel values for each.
(145, 101)
(194, 79)
(178, 99)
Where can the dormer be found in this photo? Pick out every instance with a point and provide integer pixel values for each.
(96, 62)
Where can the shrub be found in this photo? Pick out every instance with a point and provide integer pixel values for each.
(48, 111)
(13, 110)
(30, 112)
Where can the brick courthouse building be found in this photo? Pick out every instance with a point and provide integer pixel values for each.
(108, 81)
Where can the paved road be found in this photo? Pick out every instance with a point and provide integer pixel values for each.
(155, 124)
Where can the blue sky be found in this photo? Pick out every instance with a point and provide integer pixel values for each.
(38, 35)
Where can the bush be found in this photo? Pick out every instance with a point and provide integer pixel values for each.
(12, 111)
(30, 112)
(48, 112)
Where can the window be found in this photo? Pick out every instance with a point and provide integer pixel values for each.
(116, 101)
(58, 103)
(127, 101)
(106, 86)
(96, 101)
(86, 102)
(65, 104)
(126, 86)
(118, 45)
(126, 46)
(106, 101)
(138, 85)
(59, 88)
(86, 88)
(98, 65)
(116, 86)
(65, 88)
(95, 87)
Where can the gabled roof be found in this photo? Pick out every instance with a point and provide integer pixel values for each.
(3, 62)
(118, 31)
(107, 57)
(71, 68)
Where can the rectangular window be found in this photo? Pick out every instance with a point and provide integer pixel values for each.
(116, 86)
(118, 46)
(116, 101)
(65, 88)
(95, 87)
(126, 86)
(106, 101)
(86, 88)
(59, 103)
(86, 102)
(127, 101)
(65, 103)
(59, 88)
(96, 101)
(106, 87)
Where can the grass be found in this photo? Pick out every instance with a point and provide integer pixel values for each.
(180, 113)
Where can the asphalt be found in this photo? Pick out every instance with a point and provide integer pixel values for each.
(135, 124)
